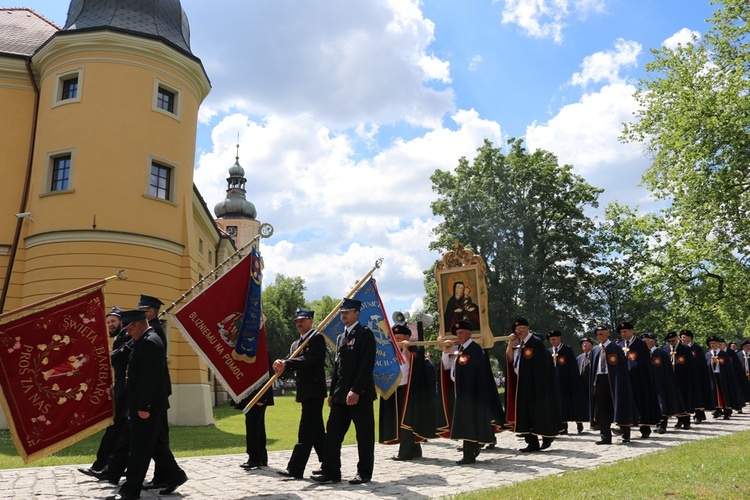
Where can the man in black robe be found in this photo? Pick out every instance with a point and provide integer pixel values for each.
(584, 369)
(407, 418)
(611, 393)
(701, 382)
(472, 418)
(573, 405)
(681, 361)
(665, 383)
(532, 405)
(638, 359)
(723, 389)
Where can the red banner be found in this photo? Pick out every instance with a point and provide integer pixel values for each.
(55, 374)
(210, 323)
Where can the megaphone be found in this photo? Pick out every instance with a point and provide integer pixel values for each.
(399, 318)
(424, 318)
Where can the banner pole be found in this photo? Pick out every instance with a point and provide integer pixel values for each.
(321, 326)
(266, 230)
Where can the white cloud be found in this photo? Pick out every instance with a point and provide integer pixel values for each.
(605, 66)
(585, 134)
(333, 212)
(344, 62)
(683, 37)
(474, 63)
(547, 18)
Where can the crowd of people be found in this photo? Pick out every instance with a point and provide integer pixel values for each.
(613, 386)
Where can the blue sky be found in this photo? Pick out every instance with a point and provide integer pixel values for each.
(345, 108)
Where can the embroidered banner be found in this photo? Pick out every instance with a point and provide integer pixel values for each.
(247, 340)
(387, 371)
(55, 373)
(211, 323)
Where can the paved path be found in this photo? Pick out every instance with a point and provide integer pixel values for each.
(435, 475)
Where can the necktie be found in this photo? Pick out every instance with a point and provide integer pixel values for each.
(672, 353)
(602, 359)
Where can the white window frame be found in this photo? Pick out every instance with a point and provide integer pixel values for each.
(49, 169)
(162, 162)
(177, 112)
(60, 79)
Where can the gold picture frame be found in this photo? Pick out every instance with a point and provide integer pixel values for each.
(462, 294)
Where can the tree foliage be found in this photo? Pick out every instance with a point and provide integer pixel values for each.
(280, 301)
(523, 213)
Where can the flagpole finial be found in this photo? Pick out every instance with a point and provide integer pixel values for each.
(378, 263)
(266, 230)
(121, 275)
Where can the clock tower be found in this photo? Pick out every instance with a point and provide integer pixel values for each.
(236, 215)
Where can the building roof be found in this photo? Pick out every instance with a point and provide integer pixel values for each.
(162, 19)
(22, 31)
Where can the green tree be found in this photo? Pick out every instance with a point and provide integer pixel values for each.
(280, 301)
(523, 213)
(694, 119)
(322, 307)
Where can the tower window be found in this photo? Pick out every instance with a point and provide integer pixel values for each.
(60, 173)
(70, 88)
(165, 100)
(161, 181)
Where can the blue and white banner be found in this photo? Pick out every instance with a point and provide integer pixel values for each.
(387, 372)
(247, 341)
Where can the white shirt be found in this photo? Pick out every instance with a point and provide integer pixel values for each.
(448, 360)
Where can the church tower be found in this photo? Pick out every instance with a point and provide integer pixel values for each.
(236, 215)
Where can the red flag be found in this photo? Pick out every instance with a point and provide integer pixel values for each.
(55, 373)
(210, 322)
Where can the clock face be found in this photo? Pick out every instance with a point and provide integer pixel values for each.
(232, 231)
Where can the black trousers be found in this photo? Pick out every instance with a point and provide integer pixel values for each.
(311, 434)
(255, 434)
(144, 444)
(112, 434)
(604, 409)
(339, 420)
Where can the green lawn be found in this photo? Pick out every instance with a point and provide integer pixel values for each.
(226, 437)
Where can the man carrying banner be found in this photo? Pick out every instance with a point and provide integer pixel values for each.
(111, 436)
(147, 409)
(351, 399)
(309, 372)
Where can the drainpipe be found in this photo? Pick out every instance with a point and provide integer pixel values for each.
(25, 192)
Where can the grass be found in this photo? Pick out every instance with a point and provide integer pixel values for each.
(225, 437)
(710, 468)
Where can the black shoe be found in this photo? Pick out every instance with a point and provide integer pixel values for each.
(103, 476)
(250, 465)
(604, 441)
(546, 442)
(579, 427)
(686, 426)
(286, 473)
(174, 485)
(400, 459)
(466, 461)
(678, 425)
(359, 480)
(153, 485)
(325, 478)
(661, 430)
(89, 471)
(123, 496)
(726, 417)
(625, 440)
(317, 472)
(530, 449)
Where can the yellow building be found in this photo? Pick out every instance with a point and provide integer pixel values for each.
(97, 150)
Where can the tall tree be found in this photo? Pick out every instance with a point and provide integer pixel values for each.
(523, 213)
(280, 301)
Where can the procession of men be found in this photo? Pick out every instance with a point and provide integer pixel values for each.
(620, 382)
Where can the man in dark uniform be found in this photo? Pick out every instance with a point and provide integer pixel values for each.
(147, 408)
(531, 403)
(310, 375)
(742, 389)
(681, 361)
(255, 425)
(151, 305)
(465, 373)
(351, 399)
(665, 383)
(584, 369)
(611, 394)
(573, 406)
(112, 434)
(407, 418)
(701, 382)
(723, 389)
(638, 360)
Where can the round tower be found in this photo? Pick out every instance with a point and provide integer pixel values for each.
(235, 214)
